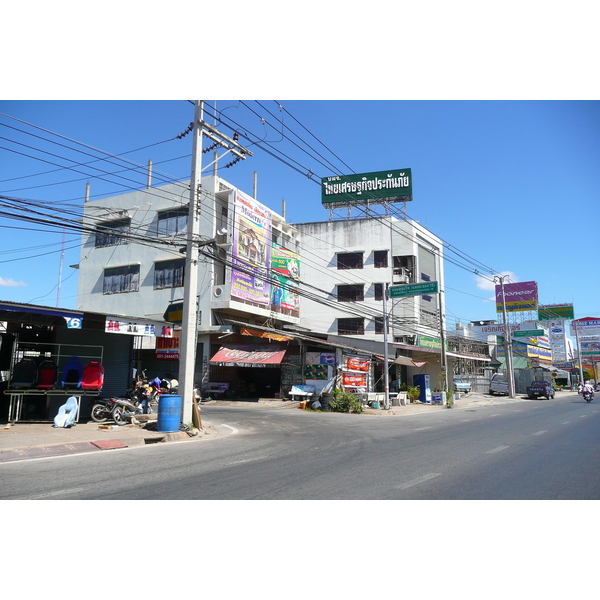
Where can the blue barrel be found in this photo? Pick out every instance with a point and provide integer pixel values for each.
(169, 413)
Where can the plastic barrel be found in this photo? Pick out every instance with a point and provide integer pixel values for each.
(326, 400)
(169, 413)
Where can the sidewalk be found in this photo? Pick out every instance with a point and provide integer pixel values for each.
(33, 440)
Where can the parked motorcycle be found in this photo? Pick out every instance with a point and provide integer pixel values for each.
(102, 410)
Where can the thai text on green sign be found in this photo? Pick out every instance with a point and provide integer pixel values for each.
(394, 185)
(413, 289)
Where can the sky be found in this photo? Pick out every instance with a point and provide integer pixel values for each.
(511, 187)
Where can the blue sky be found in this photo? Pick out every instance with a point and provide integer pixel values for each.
(511, 185)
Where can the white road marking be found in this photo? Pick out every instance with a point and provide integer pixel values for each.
(565, 422)
(498, 449)
(404, 486)
(540, 432)
(233, 429)
(57, 493)
(422, 428)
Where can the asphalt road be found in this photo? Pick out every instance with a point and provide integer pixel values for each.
(526, 449)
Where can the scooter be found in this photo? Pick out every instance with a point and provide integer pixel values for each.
(588, 396)
(124, 409)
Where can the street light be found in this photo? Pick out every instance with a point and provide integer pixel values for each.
(507, 338)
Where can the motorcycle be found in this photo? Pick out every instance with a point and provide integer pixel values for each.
(138, 403)
(102, 410)
(588, 396)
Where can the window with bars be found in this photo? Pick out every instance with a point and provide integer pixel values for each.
(380, 259)
(172, 222)
(352, 326)
(350, 260)
(121, 280)
(169, 274)
(350, 293)
(113, 233)
(379, 324)
(378, 291)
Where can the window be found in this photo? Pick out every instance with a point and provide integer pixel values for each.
(350, 293)
(169, 274)
(172, 222)
(351, 326)
(378, 290)
(378, 324)
(350, 260)
(113, 233)
(380, 258)
(121, 280)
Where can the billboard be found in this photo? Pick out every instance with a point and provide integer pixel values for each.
(251, 251)
(350, 190)
(285, 272)
(551, 312)
(588, 326)
(517, 296)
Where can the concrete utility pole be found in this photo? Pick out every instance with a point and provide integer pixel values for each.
(189, 325)
(386, 368)
(507, 340)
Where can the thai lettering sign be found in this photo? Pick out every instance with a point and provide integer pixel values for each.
(517, 296)
(413, 289)
(553, 312)
(391, 186)
(167, 348)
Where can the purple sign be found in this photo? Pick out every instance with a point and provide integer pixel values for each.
(517, 296)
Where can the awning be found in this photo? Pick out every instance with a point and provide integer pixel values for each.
(409, 362)
(249, 355)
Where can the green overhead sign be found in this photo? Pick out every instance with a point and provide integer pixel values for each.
(528, 332)
(413, 289)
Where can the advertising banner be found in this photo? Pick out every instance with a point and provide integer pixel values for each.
(364, 188)
(517, 296)
(285, 269)
(585, 326)
(113, 325)
(251, 251)
(358, 364)
(551, 312)
(354, 379)
(167, 348)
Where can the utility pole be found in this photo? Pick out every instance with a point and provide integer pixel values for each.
(386, 368)
(189, 325)
(507, 340)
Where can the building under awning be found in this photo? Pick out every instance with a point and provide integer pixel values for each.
(249, 355)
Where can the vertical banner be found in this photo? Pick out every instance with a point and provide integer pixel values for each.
(251, 251)
(285, 269)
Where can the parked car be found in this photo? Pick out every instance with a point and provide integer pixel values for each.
(498, 384)
(540, 388)
(460, 385)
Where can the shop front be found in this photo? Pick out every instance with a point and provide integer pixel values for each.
(48, 355)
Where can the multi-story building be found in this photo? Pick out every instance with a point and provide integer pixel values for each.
(133, 263)
(278, 304)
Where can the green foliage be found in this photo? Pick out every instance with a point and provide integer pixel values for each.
(414, 392)
(345, 402)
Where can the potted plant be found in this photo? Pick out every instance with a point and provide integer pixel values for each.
(414, 391)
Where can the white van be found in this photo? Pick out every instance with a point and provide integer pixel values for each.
(498, 384)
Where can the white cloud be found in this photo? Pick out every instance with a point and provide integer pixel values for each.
(488, 284)
(11, 283)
